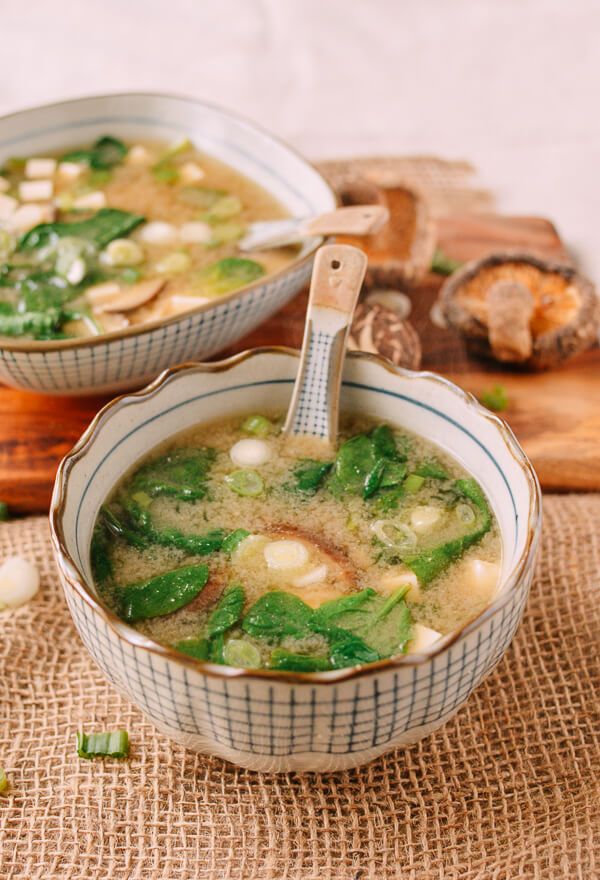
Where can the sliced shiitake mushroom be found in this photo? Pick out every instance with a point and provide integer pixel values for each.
(111, 297)
(380, 330)
(520, 309)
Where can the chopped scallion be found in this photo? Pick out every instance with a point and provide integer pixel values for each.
(495, 398)
(114, 744)
(3, 780)
(246, 483)
(257, 425)
(4, 514)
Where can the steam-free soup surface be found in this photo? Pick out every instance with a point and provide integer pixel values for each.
(114, 234)
(229, 547)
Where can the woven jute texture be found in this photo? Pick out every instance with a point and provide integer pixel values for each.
(510, 788)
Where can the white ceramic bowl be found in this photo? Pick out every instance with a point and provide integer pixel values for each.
(128, 358)
(281, 721)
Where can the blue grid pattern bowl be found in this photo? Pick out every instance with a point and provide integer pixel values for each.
(131, 357)
(280, 721)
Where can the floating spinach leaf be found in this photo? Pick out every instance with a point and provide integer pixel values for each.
(367, 463)
(383, 441)
(193, 647)
(227, 612)
(383, 624)
(349, 649)
(310, 474)
(329, 611)
(431, 563)
(215, 648)
(234, 539)
(41, 291)
(106, 153)
(102, 567)
(106, 225)
(288, 661)
(40, 325)
(162, 594)
(180, 474)
(432, 468)
(227, 275)
(277, 614)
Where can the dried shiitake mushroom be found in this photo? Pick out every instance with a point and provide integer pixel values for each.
(381, 331)
(519, 309)
(403, 248)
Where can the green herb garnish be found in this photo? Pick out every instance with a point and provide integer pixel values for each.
(442, 264)
(103, 745)
(495, 398)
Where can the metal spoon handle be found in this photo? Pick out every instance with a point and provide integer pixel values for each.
(337, 277)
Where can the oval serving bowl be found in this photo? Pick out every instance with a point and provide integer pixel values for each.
(130, 357)
(275, 721)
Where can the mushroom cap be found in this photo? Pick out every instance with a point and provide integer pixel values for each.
(403, 249)
(382, 331)
(564, 321)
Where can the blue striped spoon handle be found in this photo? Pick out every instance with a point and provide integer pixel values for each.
(337, 277)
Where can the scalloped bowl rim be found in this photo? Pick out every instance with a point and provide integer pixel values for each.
(73, 576)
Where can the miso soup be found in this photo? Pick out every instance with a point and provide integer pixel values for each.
(230, 548)
(112, 234)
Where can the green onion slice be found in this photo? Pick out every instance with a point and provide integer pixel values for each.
(239, 652)
(3, 780)
(114, 744)
(247, 483)
(257, 425)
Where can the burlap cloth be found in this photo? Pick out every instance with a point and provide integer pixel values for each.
(509, 788)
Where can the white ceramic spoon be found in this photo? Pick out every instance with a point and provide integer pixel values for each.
(337, 277)
(355, 220)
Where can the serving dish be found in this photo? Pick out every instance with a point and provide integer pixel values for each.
(275, 721)
(130, 357)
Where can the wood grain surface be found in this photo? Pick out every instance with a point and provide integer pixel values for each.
(555, 415)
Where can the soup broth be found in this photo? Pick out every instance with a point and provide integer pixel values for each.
(229, 547)
(112, 235)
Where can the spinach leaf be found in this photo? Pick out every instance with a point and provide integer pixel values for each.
(106, 225)
(277, 614)
(383, 624)
(348, 649)
(215, 648)
(102, 567)
(227, 612)
(383, 442)
(227, 275)
(368, 463)
(193, 647)
(162, 594)
(432, 468)
(120, 529)
(288, 661)
(41, 291)
(234, 539)
(355, 460)
(106, 153)
(328, 611)
(309, 475)
(180, 474)
(431, 563)
(40, 325)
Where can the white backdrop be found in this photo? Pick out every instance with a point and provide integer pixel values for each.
(511, 84)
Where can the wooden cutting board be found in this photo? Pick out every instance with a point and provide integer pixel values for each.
(555, 415)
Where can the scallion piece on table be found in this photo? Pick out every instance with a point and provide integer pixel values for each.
(4, 514)
(114, 744)
(3, 780)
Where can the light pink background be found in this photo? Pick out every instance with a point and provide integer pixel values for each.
(511, 84)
